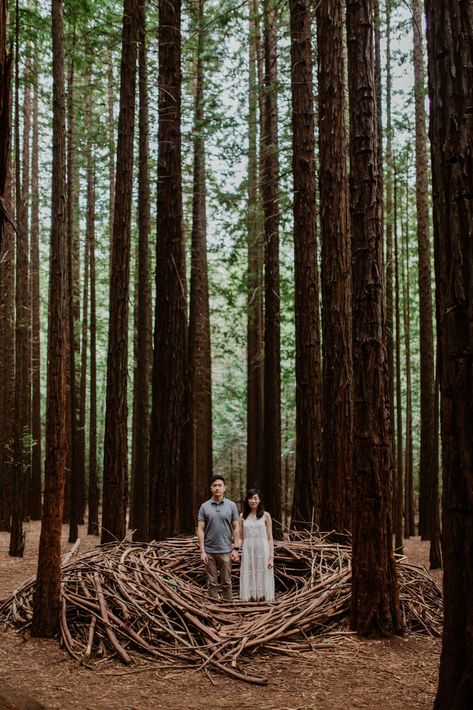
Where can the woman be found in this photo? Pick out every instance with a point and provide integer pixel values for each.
(256, 572)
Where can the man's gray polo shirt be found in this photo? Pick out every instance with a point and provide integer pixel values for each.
(218, 518)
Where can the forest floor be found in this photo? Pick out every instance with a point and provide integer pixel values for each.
(397, 674)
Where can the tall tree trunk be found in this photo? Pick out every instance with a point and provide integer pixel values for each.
(399, 489)
(143, 331)
(255, 346)
(307, 486)
(336, 273)
(199, 356)
(7, 247)
(46, 600)
(450, 52)
(111, 90)
(34, 505)
(375, 597)
(5, 103)
(115, 467)
(81, 420)
(428, 467)
(409, 505)
(388, 222)
(74, 462)
(272, 346)
(22, 433)
(93, 487)
(170, 323)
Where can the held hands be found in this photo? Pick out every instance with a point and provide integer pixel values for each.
(204, 558)
(270, 563)
(235, 556)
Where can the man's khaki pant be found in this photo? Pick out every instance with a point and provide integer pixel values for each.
(219, 564)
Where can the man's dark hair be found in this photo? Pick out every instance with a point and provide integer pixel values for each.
(217, 477)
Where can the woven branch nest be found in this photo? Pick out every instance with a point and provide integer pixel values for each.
(128, 597)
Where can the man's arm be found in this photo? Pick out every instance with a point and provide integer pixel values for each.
(236, 540)
(200, 537)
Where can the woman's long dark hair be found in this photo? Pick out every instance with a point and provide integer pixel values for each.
(246, 506)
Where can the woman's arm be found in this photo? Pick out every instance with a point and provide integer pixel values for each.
(269, 533)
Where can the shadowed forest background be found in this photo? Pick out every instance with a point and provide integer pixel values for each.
(235, 237)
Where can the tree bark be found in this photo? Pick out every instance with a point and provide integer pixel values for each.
(74, 456)
(336, 273)
(143, 331)
(46, 602)
(255, 304)
(93, 488)
(22, 431)
(399, 490)
(115, 473)
(450, 52)
(375, 598)
(7, 376)
(170, 318)
(271, 488)
(34, 505)
(428, 467)
(199, 465)
(307, 485)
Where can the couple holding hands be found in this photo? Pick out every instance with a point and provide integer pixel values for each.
(223, 535)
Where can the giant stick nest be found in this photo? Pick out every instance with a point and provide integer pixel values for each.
(127, 598)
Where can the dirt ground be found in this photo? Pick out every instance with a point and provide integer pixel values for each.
(384, 675)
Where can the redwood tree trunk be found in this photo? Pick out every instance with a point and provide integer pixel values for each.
(255, 346)
(22, 431)
(115, 467)
(199, 356)
(5, 84)
(450, 52)
(307, 483)
(337, 409)
(428, 467)
(272, 346)
(143, 329)
(34, 505)
(375, 598)
(6, 280)
(170, 325)
(388, 222)
(46, 602)
(93, 492)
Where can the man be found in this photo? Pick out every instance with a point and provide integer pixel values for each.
(218, 524)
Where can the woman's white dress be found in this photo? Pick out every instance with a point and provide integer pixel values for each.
(256, 580)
